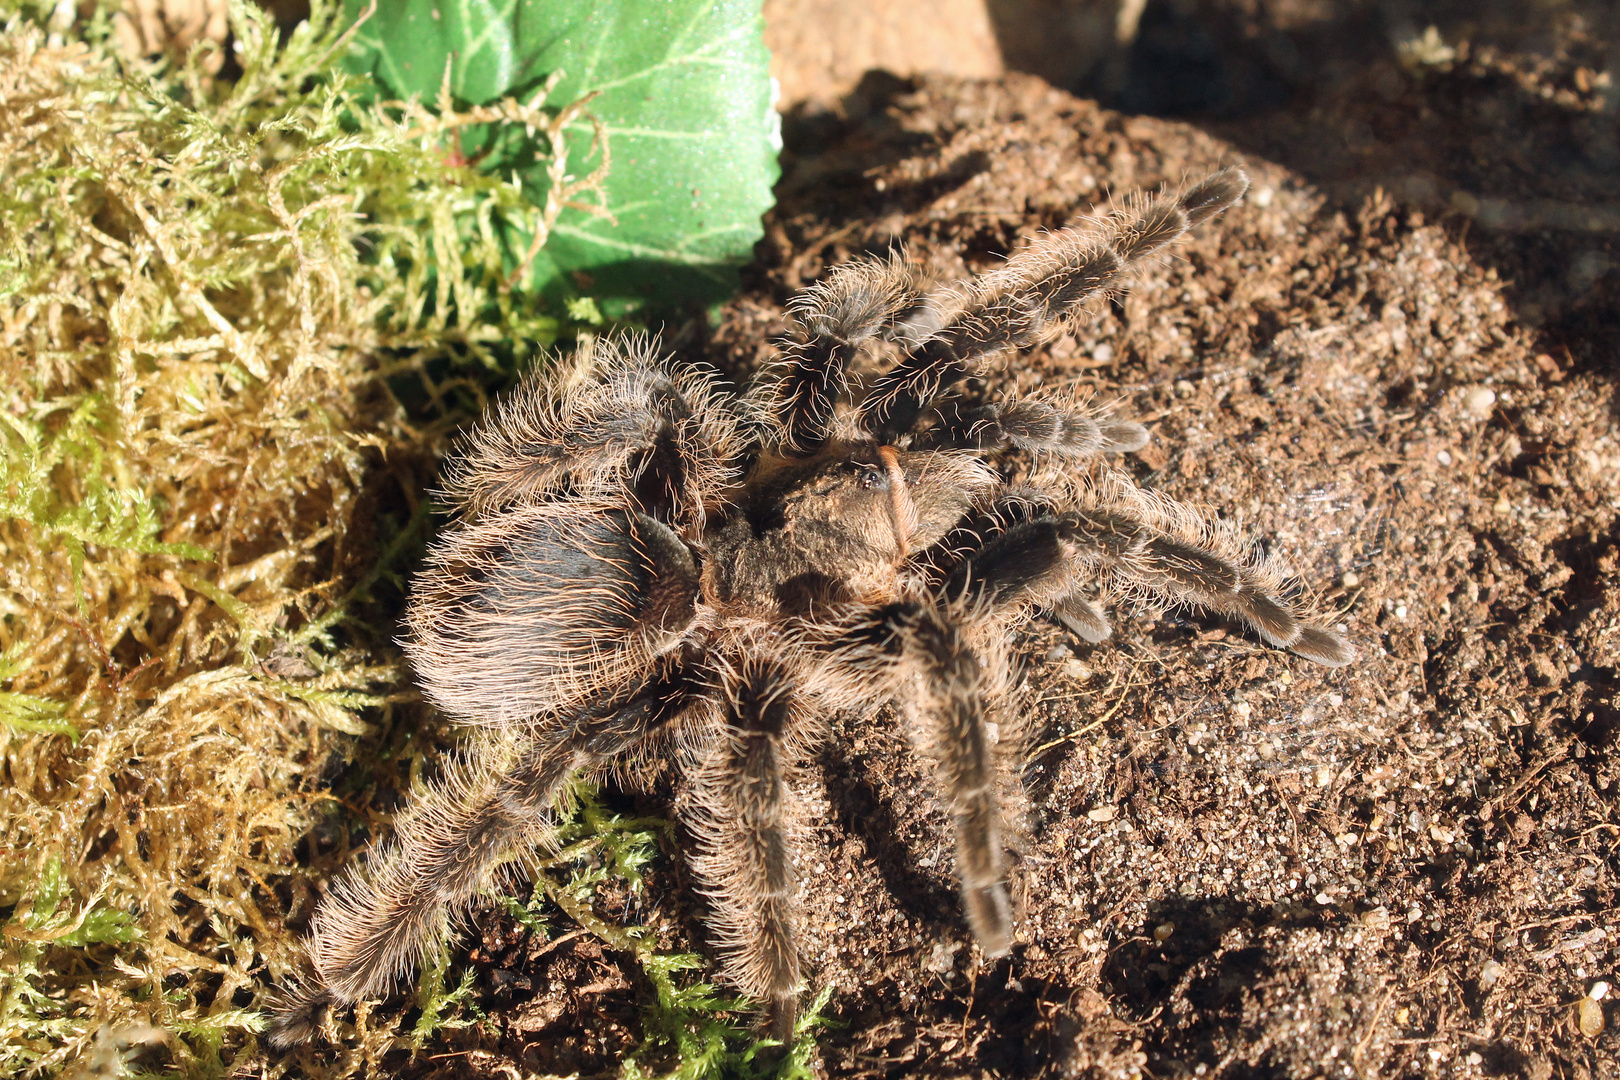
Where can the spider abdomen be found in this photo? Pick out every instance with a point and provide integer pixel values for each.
(545, 607)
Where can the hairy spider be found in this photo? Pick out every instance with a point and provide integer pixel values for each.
(646, 569)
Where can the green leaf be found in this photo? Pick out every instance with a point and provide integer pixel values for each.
(684, 96)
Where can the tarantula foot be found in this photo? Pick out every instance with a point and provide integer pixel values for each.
(1323, 646)
(1213, 194)
(989, 913)
(299, 1016)
(1084, 618)
(781, 1014)
(1278, 626)
(1123, 436)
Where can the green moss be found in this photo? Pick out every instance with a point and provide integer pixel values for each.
(213, 297)
(48, 928)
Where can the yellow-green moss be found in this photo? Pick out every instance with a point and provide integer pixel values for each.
(211, 293)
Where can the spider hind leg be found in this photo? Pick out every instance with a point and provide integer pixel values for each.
(381, 917)
(744, 820)
(618, 421)
(917, 652)
(951, 714)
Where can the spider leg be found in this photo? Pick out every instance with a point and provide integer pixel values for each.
(380, 918)
(1083, 617)
(917, 651)
(618, 420)
(1036, 425)
(1042, 562)
(832, 321)
(1026, 300)
(744, 826)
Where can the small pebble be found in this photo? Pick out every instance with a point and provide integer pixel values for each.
(1589, 1017)
(1443, 457)
(1324, 899)
(1489, 972)
(1599, 991)
(1350, 579)
(1479, 401)
(1101, 814)
(1105, 352)
(943, 957)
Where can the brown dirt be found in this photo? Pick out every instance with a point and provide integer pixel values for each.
(1235, 862)
(1232, 862)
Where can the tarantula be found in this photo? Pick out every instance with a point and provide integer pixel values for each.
(646, 569)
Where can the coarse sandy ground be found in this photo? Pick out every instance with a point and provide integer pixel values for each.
(1233, 862)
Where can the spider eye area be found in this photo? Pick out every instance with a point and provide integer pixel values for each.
(862, 472)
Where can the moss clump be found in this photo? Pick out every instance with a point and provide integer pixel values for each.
(213, 296)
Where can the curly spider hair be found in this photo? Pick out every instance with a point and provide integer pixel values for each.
(644, 568)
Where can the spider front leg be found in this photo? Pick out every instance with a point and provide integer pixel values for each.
(744, 822)
(617, 419)
(380, 918)
(833, 320)
(1044, 562)
(1035, 425)
(1028, 300)
(917, 651)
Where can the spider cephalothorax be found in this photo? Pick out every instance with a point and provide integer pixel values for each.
(645, 569)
